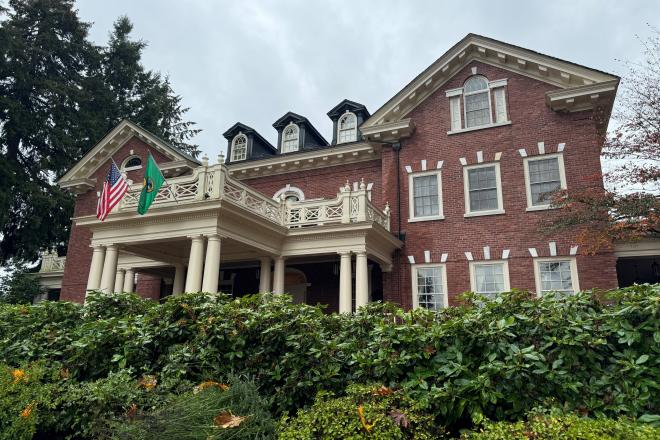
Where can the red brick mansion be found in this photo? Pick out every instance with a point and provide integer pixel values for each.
(439, 191)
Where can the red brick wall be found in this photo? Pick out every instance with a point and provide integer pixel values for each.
(79, 252)
(517, 230)
(148, 286)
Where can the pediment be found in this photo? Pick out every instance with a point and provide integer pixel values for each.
(80, 175)
(579, 87)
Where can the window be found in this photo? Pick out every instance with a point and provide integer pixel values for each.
(429, 286)
(543, 176)
(489, 278)
(476, 97)
(239, 148)
(425, 196)
(290, 138)
(132, 163)
(556, 275)
(347, 128)
(483, 190)
(290, 194)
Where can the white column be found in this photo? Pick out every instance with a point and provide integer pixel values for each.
(278, 281)
(345, 280)
(129, 281)
(179, 275)
(264, 275)
(109, 269)
(361, 280)
(119, 280)
(212, 265)
(96, 268)
(195, 265)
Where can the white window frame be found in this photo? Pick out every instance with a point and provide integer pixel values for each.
(137, 167)
(574, 272)
(466, 190)
(528, 186)
(458, 93)
(473, 273)
(289, 190)
(443, 274)
(411, 197)
(297, 147)
(354, 129)
(233, 147)
(490, 103)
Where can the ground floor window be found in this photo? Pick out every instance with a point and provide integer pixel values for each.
(489, 278)
(556, 275)
(429, 286)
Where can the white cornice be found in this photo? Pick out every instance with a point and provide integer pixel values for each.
(321, 158)
(389, 131)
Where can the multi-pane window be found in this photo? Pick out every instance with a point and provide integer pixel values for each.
(239, 148)
(556, 276)
(347, 127)
(489, 278)
(429, 287)
(544, 176)
(425, 198)
(290, 138)
(482, 188)
(477, 102)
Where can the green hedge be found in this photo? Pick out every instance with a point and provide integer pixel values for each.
(495, 360)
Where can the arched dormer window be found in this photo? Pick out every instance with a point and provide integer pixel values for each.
(476, 96)
(239, 147)
(290, 138)
(132, 163)
(347, 128)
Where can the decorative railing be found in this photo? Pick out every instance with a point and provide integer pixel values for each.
(50, 262)
(352, 204)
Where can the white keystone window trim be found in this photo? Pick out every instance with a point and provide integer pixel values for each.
(477, 105)
(429, 286)
(291, 193)
(482, 186)
(131, 163)
(425, 196)
(239, 147)
(489, 277)
(543, 174)
(556, 274)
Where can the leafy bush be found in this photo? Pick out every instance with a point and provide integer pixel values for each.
(565, 428)
(214, 411)
(19, 285)
(21, 397)
(462, 365)
(374, 412)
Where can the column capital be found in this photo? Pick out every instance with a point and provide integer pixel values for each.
(342, 253)
(213, 237)
(97, 247)
(121, 269)
(360, 253)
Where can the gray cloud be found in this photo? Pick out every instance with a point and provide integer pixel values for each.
(252, 61)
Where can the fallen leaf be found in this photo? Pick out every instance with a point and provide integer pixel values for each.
(399, 418)
(363, 420)
(227, 420)
(382, 391)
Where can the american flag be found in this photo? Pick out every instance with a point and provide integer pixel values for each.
(114, 189)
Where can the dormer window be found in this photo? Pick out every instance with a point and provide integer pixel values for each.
(132, 163)
(239, 147)
(290, 138)
(347, 128)
(477, 101)
(478, 104)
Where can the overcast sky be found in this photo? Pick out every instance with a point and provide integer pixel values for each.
(252, 61)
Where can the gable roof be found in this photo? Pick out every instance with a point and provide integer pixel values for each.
(80, 173)
(580, 87)
(348, 104)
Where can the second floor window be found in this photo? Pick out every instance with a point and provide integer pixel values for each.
(483, 190)
(477, 102)
(425, 196)
(290, 138)
(347, 128)
(543, 175)
(239, 148)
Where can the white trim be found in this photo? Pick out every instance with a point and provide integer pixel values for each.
(574, 272)
(552, 246)
(411, 259)
(443, 257)
(574, 250)
(528, 188)
(411, 196)
(523, 152)
(293, 190)
(469, 256)
(438, 166)
(427, 256)
(486, 252)
(532, 252)
(480, 157)
(443, 275)
(233, 158)
(408, 169)
(125, 161)
(480, 127)
(505, 272)
(284, 140)
(490, 104)
(466, 190)
(541, 147)
(423, 164)
(354, 129)
(560, 147)
(505, 253)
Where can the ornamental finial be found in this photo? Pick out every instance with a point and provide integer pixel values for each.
(363, 185)
(205, 160)
(221, 158)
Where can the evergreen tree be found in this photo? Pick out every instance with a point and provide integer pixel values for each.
(59, 95)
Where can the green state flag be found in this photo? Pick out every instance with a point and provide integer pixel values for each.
(153, 180)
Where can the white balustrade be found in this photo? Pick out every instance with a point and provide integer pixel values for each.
(50, 262)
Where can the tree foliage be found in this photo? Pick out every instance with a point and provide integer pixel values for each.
(19, 286)
(629, 210)
(59, 94)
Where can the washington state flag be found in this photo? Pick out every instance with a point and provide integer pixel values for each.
(153, 180)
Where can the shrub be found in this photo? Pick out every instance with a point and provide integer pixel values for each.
(214, 411)
(21, 398)
(374, 412)
(565, 428)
